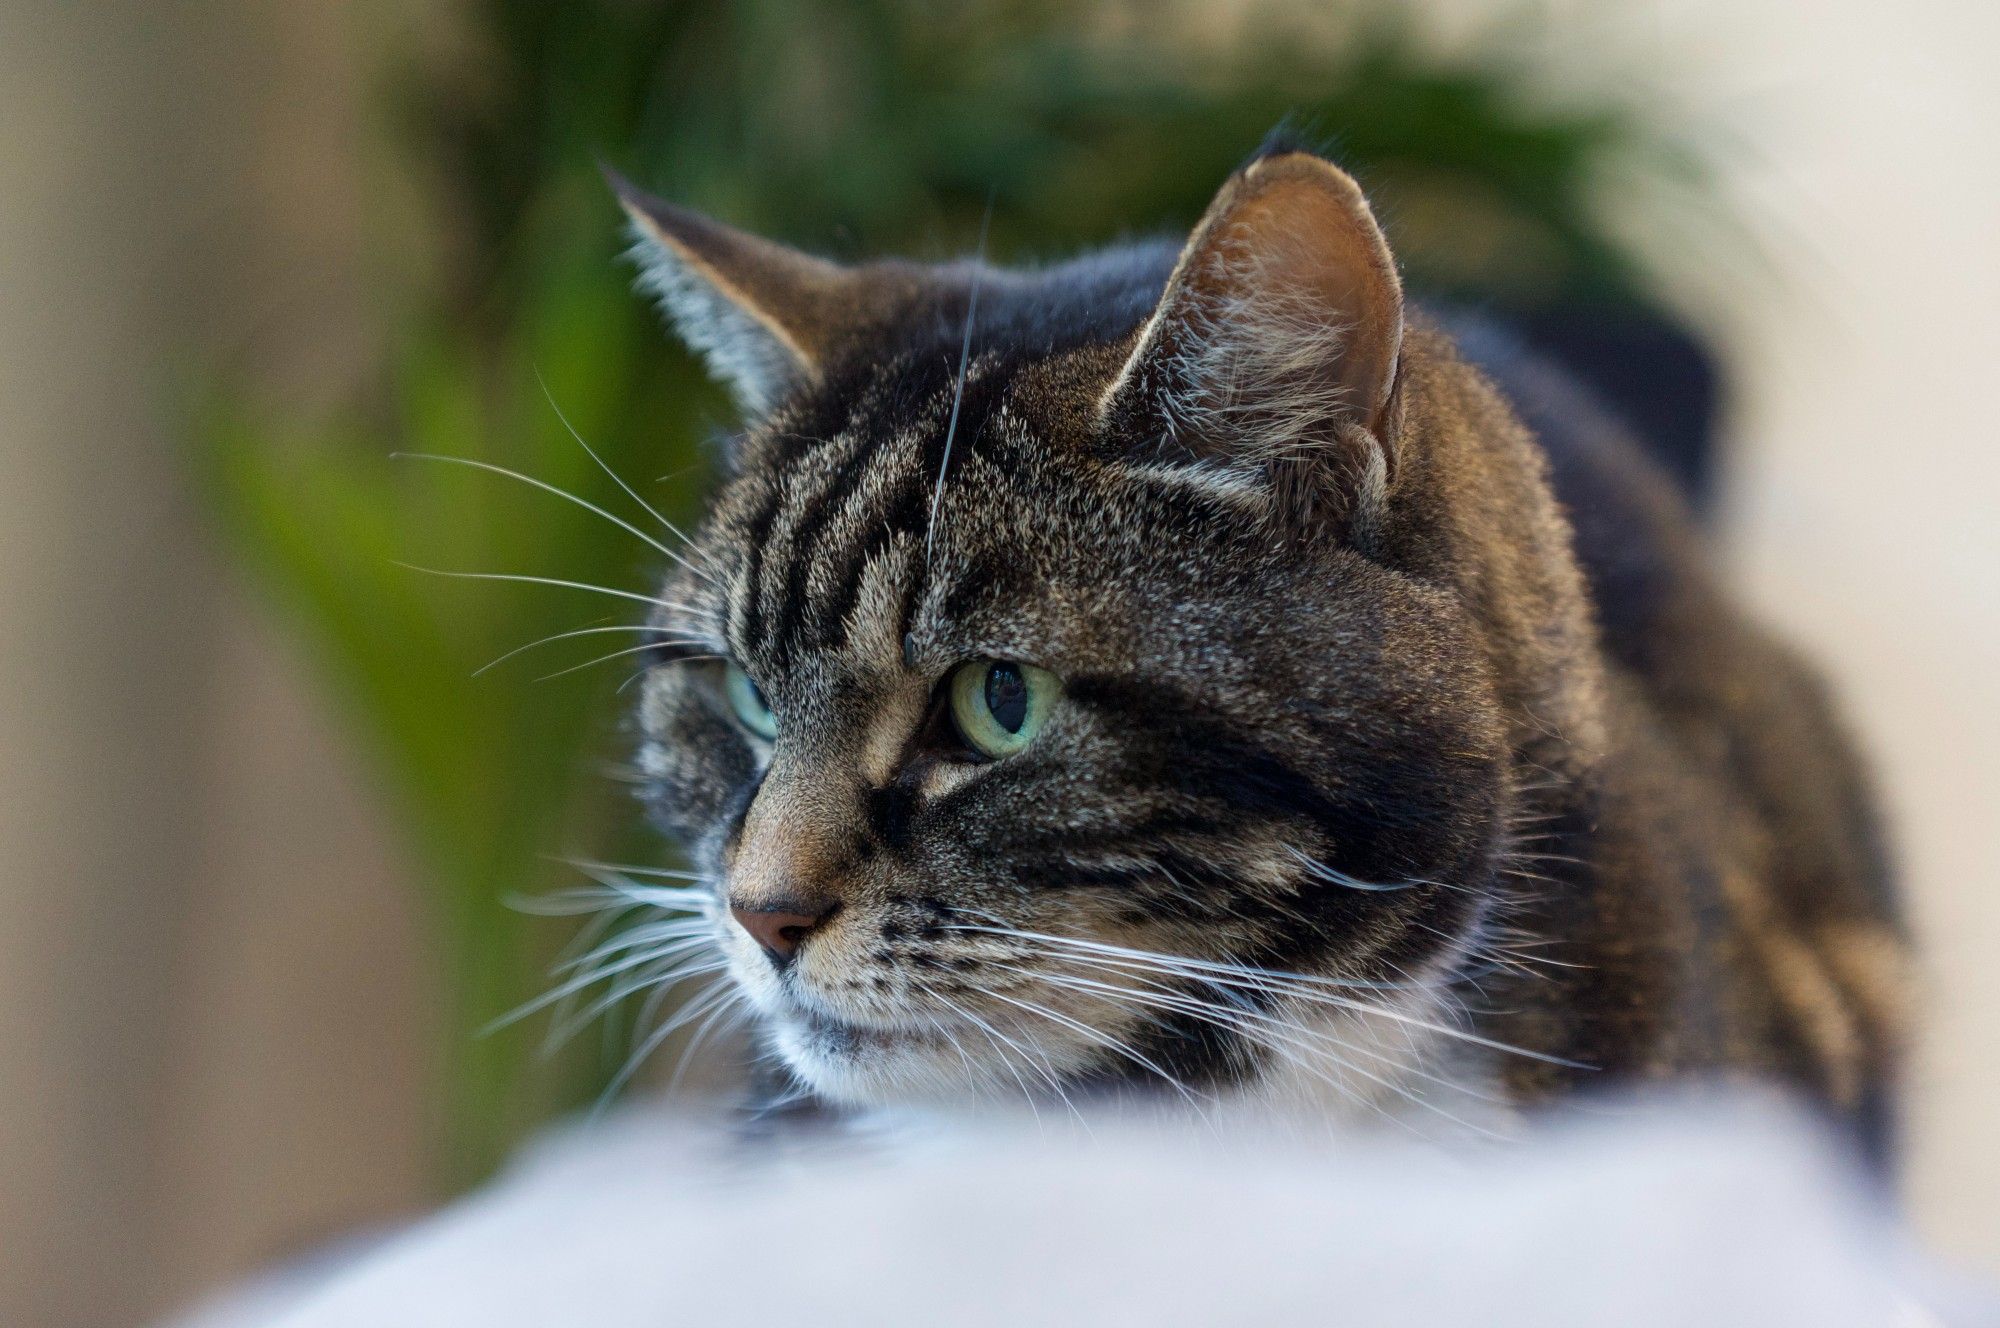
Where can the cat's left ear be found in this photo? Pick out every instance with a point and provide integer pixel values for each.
(766, 318)
(1277, 343)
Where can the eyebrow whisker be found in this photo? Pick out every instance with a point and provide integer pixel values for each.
(958, 389)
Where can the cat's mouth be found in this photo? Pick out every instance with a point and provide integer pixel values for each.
(956, 1057)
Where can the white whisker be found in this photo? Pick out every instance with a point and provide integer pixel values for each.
(590, 977)
(631, 869)
(1106, 1040)
(732, 1004)
(525, 579)
(1185, 963)
(674, 897)
(958, 389)
(1299, 986)
(639, 938)
(564, 494)
(621, 654)
(694, 1009)
(1334, 876)
(997, 1038)
(1261, 1027)
(657, 982)
(616, 478)
(622, 628)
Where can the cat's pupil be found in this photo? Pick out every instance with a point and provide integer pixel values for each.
(1007, 697)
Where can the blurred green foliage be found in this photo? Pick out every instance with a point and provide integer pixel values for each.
(852, 127)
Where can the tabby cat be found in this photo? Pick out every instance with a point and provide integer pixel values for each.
(1191, 671)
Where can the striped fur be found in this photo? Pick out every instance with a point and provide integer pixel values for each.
(1374, 779)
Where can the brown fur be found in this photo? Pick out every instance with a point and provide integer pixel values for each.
(1428, 721)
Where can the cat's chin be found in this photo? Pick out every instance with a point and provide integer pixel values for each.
(858, 1065)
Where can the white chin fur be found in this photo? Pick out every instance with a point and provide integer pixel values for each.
(874, 1070)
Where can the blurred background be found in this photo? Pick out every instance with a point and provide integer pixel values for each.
(259, 816)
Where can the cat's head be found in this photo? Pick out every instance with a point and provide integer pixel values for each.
(1074, 682)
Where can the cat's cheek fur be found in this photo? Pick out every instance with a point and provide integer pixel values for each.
(698, 764)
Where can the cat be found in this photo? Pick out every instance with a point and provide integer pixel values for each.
(1194, 672)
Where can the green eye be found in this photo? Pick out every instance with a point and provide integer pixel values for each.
(999, 707)
(749, 703)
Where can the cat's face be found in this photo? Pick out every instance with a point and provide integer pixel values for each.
(1026, 753)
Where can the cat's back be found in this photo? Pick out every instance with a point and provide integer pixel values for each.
(1814, 926)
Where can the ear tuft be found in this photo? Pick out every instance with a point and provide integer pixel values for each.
(1277, 340)
(765, 317)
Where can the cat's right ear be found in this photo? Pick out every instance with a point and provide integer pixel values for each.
(764, 317)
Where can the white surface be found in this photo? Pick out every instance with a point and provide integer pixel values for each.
(1631, 1219)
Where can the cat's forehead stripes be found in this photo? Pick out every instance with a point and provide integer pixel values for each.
(825, 544)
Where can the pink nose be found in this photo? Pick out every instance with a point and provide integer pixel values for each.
(781, 929)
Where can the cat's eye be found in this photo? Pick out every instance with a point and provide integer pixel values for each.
(998, 707)
(747, 700)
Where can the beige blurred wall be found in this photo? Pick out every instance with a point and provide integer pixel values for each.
(1865, 516)
(211, 1038)
(212, 1046)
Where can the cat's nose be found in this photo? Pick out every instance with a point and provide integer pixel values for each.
(781, 926)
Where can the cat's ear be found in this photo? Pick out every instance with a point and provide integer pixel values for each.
(1276, 344)
(765, 317)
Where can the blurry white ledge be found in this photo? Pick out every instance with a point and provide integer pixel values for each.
(1698, 1215)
